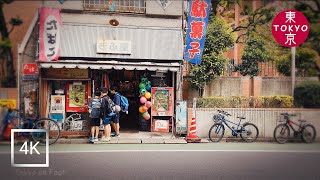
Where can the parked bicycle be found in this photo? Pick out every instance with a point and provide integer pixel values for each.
(247, 131)
(281, 133)
(11, 119)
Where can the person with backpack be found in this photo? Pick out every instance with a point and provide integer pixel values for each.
(120, 102)
(107, 107)
(95, 115)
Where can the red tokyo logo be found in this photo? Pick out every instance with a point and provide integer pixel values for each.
(290, 28)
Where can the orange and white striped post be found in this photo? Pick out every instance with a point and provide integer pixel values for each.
(192, 136)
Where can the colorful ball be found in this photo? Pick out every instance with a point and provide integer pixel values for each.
(141, 110)
(147, 95)
(148, 82)
(146, 116)
(142, 85)
(148, 104)
(145, 108)
(144, 79)
(143, 100)
(148, 87)
(142, 91)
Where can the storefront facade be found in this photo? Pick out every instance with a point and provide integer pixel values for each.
(94, 53)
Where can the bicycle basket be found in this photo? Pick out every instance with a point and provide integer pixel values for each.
(217, 118)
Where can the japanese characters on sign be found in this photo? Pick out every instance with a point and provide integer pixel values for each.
(50, 25)
(196, 34)
(290, 28)
(30, 71)
(113, 47)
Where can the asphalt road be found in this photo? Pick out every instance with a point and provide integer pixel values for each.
(210, 161)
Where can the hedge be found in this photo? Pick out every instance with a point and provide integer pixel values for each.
(246, 102)
(307, 94)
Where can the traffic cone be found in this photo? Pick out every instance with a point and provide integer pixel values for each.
(192, 137)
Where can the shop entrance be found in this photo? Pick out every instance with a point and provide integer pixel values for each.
(128, 84)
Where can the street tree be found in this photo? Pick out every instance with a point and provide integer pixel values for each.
(218, 39)
(311, 9)
(6, 55)
(253, 53)
(305, 63)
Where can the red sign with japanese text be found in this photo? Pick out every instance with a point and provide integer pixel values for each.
(50, 25)
(30, 69)
(290, 28)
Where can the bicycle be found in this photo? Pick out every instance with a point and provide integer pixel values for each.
(306, 132)
(248, 131)
(32, 123)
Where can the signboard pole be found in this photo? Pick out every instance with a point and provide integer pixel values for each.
(293, 68)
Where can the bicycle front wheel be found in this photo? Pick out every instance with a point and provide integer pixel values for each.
(216, 132)
(52, 127)
(249, 132)
(308, 133)
(281, 133)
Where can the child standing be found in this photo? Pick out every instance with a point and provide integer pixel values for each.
(95, 115)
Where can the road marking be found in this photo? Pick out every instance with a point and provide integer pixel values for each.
(179, 150)
(189, 150)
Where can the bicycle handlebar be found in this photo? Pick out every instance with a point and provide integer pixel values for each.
(287, 114)
(224, 112)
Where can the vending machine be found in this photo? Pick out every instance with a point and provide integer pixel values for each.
(162, 99)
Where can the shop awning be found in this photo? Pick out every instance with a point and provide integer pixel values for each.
(147, 43)
(151, 66)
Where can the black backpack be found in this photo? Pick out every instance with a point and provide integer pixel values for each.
(109, 109)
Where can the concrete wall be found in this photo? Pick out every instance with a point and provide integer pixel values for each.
(265, 119)
(228, 86)
(278, 86)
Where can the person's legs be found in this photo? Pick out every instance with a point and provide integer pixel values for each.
(117, 128)
(92, 133)
(113, 125)
(97, 132)
(116, 125)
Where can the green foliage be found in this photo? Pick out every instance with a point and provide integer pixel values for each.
(305, 62)
(255, 19)
(218, 39)
(246, 102)
(307, 94)
(5, 44)
(253, 53)
(283, 66)
(311, 9)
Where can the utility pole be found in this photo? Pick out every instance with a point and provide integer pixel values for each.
(293, 68)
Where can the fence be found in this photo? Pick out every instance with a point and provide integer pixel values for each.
(266, 119)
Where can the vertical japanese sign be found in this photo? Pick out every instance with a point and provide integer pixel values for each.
(198, 15)
(290, 28)
(50, 25)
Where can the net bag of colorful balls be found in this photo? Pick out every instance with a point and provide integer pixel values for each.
(145, 97)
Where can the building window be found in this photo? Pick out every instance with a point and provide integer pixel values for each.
(130, 6)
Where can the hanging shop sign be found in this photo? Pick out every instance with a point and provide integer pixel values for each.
(198, 15)
(113, 46)
(50, 26)
(30, 71)
(63, 73)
